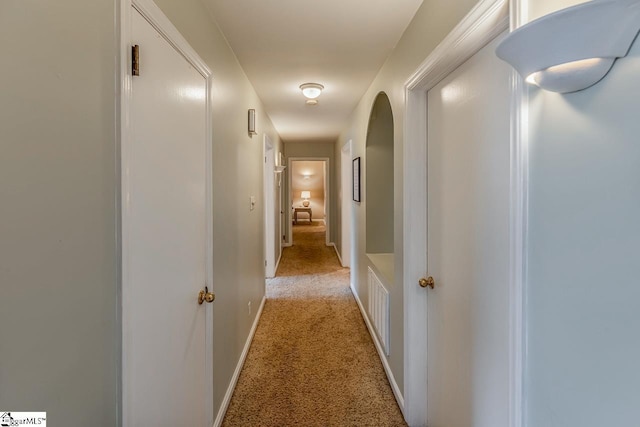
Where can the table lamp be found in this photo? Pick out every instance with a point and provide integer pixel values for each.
(305, 195)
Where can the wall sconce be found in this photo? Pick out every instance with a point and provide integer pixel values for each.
(306, 195)
(252, 122)
(279, 167)
(574, 48)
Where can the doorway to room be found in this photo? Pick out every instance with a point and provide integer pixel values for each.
(308, 197)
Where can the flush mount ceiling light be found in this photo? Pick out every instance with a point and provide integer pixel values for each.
(311, 90)
(574, 48)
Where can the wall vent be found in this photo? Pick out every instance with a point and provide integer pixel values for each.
(379, 309)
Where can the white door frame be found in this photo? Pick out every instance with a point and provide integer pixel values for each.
(487, 20)
(345, 203)
(327, 199)
(269, 196)
(161, 23)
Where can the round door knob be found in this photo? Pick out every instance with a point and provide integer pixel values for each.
(427, 283)
(206, 296)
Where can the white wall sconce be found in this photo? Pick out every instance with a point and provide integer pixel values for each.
(306, 195)
(252, 122)
(311, 91)
(279, 167)
(574, 48)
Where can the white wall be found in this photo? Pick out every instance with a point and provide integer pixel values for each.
(433, 21)
(583, 298)
(238, 233)
(584, 197)
(59, 330)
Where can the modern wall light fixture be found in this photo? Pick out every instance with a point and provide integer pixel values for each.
(574, 48)
(311, 91)
(279, 167)
(252, 122)
(306, 195)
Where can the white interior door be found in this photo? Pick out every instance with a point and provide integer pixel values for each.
(346, 201)
(468, 245)
(165, 238)
(269, 208)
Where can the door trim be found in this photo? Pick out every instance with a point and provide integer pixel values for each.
(346, 210)
(487, 20)
(269, 196)
(163, 25)
(327, 199)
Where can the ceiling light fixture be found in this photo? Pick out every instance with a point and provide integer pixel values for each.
(311, 90)
(574, 48)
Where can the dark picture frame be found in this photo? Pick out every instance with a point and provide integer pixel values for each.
(356, 179)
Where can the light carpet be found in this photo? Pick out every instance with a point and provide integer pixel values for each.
(312, 361)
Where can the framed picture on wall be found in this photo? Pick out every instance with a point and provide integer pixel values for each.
(356, 179)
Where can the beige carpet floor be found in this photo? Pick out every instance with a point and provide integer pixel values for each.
(312, 361)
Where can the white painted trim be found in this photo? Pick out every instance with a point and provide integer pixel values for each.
(385, 363)
(415, 259)
(275, 270)
(327, 199)
(163, 25)
(337, 253)
(160, 22)
(519, 230)
(518, 13)
(236, 374)
(487, 20)
(268, 206)
(518, 224)
(346, 208)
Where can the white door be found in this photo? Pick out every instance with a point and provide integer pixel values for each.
(269, 208)
(345, 202)
(165, 238)
(468, 245)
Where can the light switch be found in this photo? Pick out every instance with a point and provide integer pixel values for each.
(252, 203)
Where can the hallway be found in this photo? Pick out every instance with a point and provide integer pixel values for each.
(312, 361)
(147, 189)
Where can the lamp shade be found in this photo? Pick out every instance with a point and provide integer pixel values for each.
(306, 194)
(573, 48)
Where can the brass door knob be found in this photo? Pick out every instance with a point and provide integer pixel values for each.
(205, 295)
(427, 283)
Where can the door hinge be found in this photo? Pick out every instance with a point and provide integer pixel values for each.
(265, 262)
(135, 60)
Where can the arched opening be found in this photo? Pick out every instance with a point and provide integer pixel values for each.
(379, 179)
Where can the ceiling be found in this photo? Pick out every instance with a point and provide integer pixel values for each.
(340, 44)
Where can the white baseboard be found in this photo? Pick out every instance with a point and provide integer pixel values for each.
(275, 270)
(234, 380)
(337, 253)
(383, 358)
